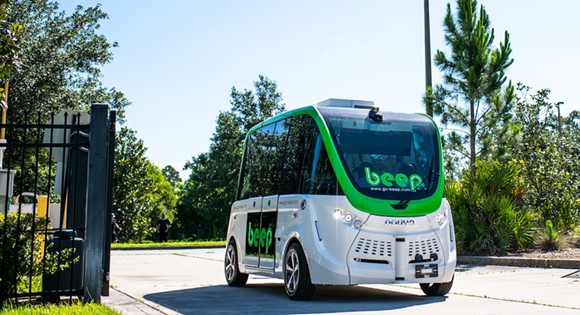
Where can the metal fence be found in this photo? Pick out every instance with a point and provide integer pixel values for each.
(55, 205)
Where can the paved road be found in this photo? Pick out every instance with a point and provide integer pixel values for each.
(191, 281)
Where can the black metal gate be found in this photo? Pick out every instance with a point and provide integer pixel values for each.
(55, 205)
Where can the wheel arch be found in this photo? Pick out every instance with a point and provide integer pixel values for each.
(295, 238)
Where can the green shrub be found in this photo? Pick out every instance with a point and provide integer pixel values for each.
(21, 250)
(489, 217)
(24, 258)
(552, 239)
(575, 237)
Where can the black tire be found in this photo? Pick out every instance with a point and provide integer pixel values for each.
(437, 289)
(232, 272)
(297, 280)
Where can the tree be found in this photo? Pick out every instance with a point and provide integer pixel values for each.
(10, 36)
(59, 60)
(471, 95)
(132, 185)
(549, 162)
(62, 56)
(252, 108)
(162, 197)
(171, 175)
(210, 190)
(140, 192)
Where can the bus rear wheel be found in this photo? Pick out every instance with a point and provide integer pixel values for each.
(232, 272)
(297, 280)
(437, 289)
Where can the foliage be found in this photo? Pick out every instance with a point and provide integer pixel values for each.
(551, 239)
(163, 196)
(20, 248)
(25, 258)
(171, 175)
(140, 192)
(471, 96)
(131, 185)
(62, 55)
(575, 237)
(63, 309)
(210, 190)
(489, 217)
(549, 162)
(59, 62)
(10, 36)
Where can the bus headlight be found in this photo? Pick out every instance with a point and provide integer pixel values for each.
(440, 217)
(347, 218)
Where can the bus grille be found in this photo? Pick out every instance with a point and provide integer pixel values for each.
(377, 248)
(423, 247)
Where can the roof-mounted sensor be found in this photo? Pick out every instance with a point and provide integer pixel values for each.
(375, 115)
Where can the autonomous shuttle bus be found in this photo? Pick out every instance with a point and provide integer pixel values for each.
(342, 194)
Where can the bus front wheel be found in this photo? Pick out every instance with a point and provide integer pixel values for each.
(297, 280)
(437, 289)
(231, 269)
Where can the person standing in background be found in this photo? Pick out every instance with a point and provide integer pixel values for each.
(163, 225)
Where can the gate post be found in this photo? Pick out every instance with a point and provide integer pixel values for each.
(96, 204)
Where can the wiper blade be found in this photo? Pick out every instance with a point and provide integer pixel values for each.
(401, 205)
(431, 172)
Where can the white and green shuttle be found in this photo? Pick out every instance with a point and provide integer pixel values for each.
(342, 194)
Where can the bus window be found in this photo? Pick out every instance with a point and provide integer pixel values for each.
(389, 159)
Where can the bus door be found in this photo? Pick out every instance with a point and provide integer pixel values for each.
(267, 231)
(251, 255)
(260, 229)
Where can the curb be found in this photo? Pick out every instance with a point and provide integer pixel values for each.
(520, 262)
(127, 303)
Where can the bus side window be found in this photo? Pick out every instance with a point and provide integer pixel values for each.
(325, 182)
(244, 184)
(317, 174)
(291, 156)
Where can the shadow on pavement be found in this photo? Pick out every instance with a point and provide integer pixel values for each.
(270, 298)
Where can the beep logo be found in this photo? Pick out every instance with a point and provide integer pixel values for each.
(262, 237)
(387, 179)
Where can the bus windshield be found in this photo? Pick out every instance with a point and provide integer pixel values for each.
(393, 159)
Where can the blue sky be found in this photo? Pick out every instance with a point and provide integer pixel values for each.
(177, 61)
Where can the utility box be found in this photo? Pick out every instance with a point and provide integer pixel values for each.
(68, 280)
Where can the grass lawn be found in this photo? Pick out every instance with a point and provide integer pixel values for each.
(61, 309)
(168, 244)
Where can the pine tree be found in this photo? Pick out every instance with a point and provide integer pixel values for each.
(471, 96)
